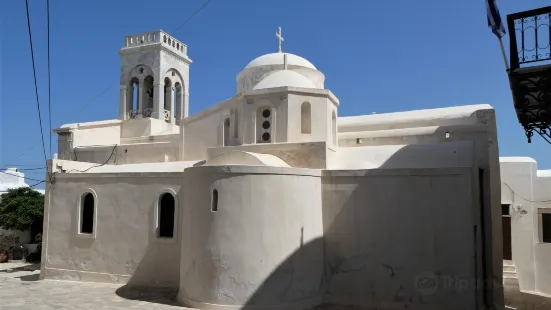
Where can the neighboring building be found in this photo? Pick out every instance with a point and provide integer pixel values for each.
(269, 199)
(526, 207)
(12, 178)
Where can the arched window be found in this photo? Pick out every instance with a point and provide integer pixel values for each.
(214, 202)
(306, 118)
(87, 214)
(178, 99)
(166, 216)
(133, 95)
(334, 128)
(226, 132)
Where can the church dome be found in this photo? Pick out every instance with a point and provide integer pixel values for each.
(277, 59)
(284, 78)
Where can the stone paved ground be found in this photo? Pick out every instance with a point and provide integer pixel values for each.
(20, 288)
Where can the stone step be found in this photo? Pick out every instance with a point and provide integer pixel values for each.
(508, 263)
(509, 268)
(509, 275)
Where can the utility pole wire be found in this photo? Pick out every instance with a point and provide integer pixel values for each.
(35, 84)
(49, 76)
(109, 86)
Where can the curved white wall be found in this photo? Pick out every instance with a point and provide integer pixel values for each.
(263, 247)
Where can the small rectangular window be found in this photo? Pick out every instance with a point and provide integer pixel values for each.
(546, 227)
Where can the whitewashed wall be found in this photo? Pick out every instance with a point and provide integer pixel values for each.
(263, 247)
(380, 244)
(125, 249)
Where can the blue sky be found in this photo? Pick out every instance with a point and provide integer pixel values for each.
(377, 56)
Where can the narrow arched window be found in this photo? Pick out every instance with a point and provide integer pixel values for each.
(214, 202)
(226, 132)
(87, 214)
(306, 118)
(166, 215)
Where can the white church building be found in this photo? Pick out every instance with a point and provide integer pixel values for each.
(270, 199)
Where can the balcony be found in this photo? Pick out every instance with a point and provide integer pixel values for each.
(530, 70)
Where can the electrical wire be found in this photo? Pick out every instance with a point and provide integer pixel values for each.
(184, 23)
(49, 75)
(35, 83)
(527, 200)
(22, 177)
(105, 163)
(199, 10)
(97, 97)
(31, 186)
(24, 169)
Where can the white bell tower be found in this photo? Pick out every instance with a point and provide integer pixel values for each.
(154, 79)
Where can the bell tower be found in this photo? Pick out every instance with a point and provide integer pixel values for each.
(154, 81)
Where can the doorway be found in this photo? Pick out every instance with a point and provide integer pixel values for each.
(506, 226)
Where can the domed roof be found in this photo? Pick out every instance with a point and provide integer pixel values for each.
(277, 59)
(285, 78)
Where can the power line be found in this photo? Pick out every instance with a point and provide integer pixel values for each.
(187, 20)
(49, 76)
(24, 169)
(96, 98)
(15, 175)
(527, 200)
(35, 84)
(103, 92)
(105, 163)
(31, 186)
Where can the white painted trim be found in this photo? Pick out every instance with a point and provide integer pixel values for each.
(156, 218)
(80, 202)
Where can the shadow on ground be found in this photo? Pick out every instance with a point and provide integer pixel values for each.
(522, 301)
(165, 296)
(31, 277)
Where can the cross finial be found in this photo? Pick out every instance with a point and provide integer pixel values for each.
(280, 39)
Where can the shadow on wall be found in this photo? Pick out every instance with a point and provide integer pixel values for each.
(393, 239)
(383, 250)
(156, 277)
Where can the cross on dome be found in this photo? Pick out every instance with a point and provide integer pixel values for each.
(280, 39)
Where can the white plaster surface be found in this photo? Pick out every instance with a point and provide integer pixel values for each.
(526, 189)
(284, 78)
(277, 59)
(309, 215)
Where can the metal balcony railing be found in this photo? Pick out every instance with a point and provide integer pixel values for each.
(531, 31)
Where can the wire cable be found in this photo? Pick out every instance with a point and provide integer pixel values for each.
(199, 10)
(103, 92)
(31, 186)
(24, 169)
(527, 200)
(49, 76)
(35, 83)
(22, 177)
(105, 163)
